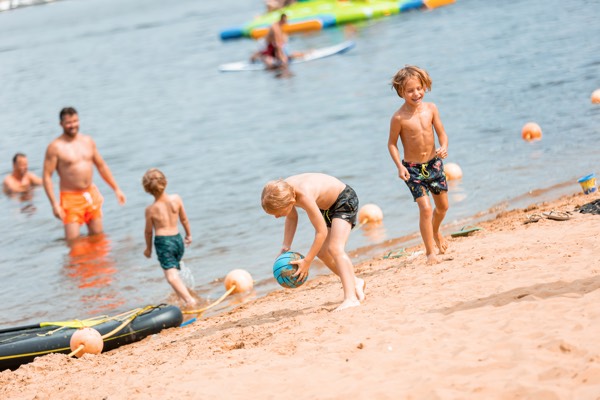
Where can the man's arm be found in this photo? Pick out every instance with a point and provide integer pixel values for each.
(441, 132)
(50, 163)
(106, 174)
(395, 127)
(34, 179)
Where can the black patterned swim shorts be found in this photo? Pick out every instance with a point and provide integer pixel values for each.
(345, 207)
(426, 177)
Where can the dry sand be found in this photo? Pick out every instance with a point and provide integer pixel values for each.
(513, 312)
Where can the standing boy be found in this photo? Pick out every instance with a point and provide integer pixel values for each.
(74, 156)
(331, 207)
(162, 217)
(421, 167)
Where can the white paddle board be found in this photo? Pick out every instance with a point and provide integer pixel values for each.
(308, 56)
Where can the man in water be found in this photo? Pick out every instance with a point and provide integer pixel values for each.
(21, 180)
(274, 55)
(74, 156)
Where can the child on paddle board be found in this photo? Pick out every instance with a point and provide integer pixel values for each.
(331, 206)
(421, 167)
(162, 218)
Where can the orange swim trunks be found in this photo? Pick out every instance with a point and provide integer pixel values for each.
(81, 207)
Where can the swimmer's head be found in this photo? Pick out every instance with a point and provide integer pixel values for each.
(154, 182)
(410, 71)
(67, 111)
(20, 164)
(278, 198)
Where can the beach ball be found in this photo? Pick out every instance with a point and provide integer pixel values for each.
(283, 270)
(370, 213)
(452, 171)
(531, 131)
(90, 339)
(241, 279)
(596, 96)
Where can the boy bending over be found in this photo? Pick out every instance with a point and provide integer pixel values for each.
(421, 168)
(162, 217)
(331, 207)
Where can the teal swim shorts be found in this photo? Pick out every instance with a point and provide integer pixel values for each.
(169, 250)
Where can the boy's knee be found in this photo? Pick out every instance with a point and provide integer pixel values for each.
(335, 249)
(426, 210)
(441, 209)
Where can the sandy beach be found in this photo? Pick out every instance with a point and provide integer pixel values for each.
(511, 313)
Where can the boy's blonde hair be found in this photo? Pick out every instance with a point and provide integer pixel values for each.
(154, 182)
(410, 71)
(277, 195)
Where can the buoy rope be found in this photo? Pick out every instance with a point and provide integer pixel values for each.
(201, 310)
(133, 314)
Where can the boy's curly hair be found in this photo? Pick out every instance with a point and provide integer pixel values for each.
(410, 71)
(277, 195)
(154, 182)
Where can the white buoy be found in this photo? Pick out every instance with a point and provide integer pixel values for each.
(452, 171)
(596, 96)
(241, 279)
(531, 131)
(370, 213)
(89, 338)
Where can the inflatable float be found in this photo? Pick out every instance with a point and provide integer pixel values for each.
(320, 14)
(20, 345)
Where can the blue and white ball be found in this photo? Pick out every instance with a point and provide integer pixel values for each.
(283, 270)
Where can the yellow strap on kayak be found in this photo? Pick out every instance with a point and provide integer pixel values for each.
(91, 322)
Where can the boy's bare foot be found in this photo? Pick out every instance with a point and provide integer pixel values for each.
(191, 303)
(441, 242)
(360, 289)
(432, 259)
(347, 304)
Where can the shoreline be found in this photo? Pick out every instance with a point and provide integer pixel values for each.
(409, 242)
(511, 312)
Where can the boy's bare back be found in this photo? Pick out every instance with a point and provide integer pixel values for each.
(319, 188)
(164, 214)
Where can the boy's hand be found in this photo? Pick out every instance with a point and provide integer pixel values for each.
(303, 267)
(284, 249)
(403, 173)
(187, 240)
(442, 152)
(147, 253)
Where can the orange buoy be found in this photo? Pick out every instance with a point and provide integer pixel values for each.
(370, 213)
(531, 131)
(89, 338)
(452, 171)
(241, 279)
(596, 96)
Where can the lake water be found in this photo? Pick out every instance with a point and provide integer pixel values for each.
(143, 76)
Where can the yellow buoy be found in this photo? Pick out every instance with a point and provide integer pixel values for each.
(531, 131)
(370, 213)
(453, 171)
(241, 279)
(86, 340)
(596, 96)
